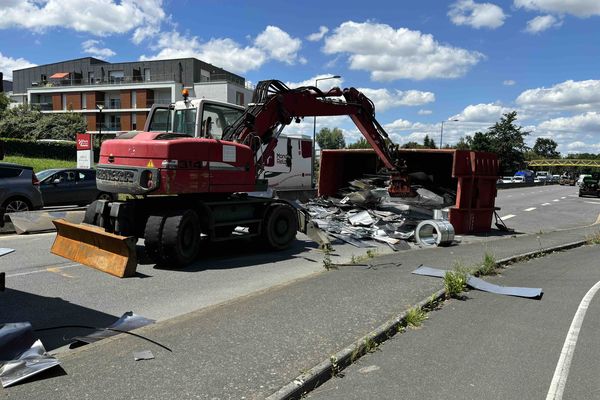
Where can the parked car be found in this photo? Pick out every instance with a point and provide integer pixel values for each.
(581, 178)
(589, 186)
(19, 188)
(507, 179)
(567, 180)
(69, 186)
(518, 179)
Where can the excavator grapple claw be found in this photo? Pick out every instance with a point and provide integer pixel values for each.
(93, 246)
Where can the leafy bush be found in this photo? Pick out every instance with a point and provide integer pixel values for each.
(34, 149)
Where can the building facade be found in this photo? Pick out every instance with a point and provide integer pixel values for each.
(116, 97)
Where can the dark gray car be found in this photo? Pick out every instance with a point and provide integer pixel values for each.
(19, 188)
(70, 186)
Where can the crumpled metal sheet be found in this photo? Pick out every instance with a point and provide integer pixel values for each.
(31, 362)
(127, 322)
(4, 251)
(20, 355)
(480, 284)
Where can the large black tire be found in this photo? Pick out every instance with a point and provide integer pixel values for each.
(153, 239)
(90, 214)
(181, 238)
(280, 226)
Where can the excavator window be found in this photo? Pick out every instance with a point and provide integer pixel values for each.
(216, 118)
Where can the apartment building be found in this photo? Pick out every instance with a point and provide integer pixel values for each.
(116, 97)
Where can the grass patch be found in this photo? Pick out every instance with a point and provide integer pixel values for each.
(594, 238)
(40, 164)
(415, 317)
(455, 282)
(488, 266)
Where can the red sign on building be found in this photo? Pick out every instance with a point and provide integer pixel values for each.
(84, 141)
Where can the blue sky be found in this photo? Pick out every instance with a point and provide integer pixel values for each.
(422, 62)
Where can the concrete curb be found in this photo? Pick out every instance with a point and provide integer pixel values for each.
(325, 370)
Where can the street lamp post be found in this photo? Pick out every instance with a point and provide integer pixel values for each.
(314, 155)
(100, 107)
(442, 129)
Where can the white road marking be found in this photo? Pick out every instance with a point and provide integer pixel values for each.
(47, 269)
(563, 197)
(509, 216)
(546, 204)
(529, 209)
(556, 200)
(592, 202)
(26, 237)
(573, 195)
(561, 372)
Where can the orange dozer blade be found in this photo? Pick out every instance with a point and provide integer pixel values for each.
(92, 246)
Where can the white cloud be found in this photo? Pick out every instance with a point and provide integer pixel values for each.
(509, 82)
(485, 113)
(581, 123)
(384, 99)
(391, 54)
(476, 15)
(578, 8)
(542, 23)
(315, 37)
(97, 17)
(568, 95)
(425, 112)
(278, 44)
(8, 64)
(92, 47)
(271, 44)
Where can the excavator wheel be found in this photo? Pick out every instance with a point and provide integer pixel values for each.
(280, 226)
(152, 239)
(181, 238)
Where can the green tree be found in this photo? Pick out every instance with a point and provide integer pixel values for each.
(412, 145)
(25, 123)
(4, 102)
(360, 144)
(546, 148)
(331, 138)
(480, 142)
(428, 143)
(462, 144)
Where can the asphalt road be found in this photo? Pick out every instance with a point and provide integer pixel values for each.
(546, 208)
(490, 346)
(43, 283)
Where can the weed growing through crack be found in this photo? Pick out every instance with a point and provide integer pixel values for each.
(455, 282)
(594, 238)
(327, 264)
(415, 317)
(488, 266)
(335, 366)
(371, 253)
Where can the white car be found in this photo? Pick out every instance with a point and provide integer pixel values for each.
(580, 180)
(518, 179)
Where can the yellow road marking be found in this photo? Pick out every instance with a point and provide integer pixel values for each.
(59, 272)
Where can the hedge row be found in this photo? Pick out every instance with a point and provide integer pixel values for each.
(36, 149)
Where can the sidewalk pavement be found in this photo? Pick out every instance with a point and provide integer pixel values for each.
(252, 346)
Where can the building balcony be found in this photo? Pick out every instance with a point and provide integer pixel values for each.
(125, 80)
(42, 106)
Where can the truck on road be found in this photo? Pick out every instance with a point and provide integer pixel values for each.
(189, 185)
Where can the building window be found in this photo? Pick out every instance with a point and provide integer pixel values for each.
(116, 76)
(147, 74)
(133, 99)
(114, 123)
(91, 78)
(64, 101)
(133, 121)
(83, 101)
(239, 98)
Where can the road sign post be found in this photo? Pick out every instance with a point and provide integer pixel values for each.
(85, 150)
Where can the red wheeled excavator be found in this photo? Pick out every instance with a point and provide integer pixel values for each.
(187, 190)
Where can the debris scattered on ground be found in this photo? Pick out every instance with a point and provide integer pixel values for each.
(20, 356)
(128, 321)
(365, 211)
(480, 284)
(143, 355)
(4, 251)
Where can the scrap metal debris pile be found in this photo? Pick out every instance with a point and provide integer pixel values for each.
(365, 211)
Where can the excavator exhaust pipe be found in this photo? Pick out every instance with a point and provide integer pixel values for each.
(93, 246)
